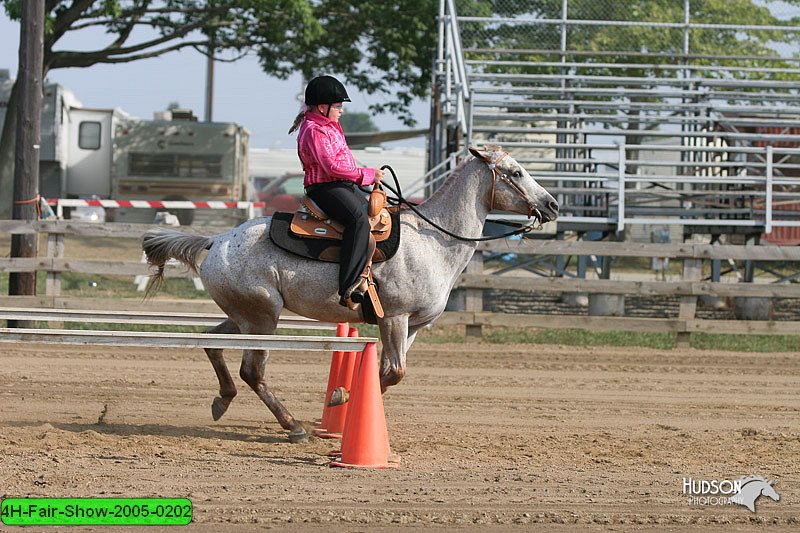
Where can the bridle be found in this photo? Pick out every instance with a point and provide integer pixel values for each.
(497, 174)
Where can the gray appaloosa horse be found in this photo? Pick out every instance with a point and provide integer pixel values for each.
(252, 280)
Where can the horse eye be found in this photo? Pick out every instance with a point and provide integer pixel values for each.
(517, 174)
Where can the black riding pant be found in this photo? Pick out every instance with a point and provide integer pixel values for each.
(344, 203)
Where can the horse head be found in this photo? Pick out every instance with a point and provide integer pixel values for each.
(752, 487)
(769, 491)
(512, 188)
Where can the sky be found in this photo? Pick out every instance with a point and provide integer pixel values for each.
(266, 106)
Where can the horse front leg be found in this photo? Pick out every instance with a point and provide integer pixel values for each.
(227, 389)
(394, 336)
(253, 372)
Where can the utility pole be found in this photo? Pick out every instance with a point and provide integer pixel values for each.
(26, 155)
(209, 114)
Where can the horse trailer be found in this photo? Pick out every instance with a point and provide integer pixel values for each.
(175, 157)
(107, 154)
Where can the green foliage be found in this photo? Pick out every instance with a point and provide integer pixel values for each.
(357, 122)
(661, 45)
(13, 9)
(661, 341)
(97, 286)
(746, 343)
(383, 48)
(380, 48)
(579, 337)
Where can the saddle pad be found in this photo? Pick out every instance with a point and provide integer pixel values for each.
(325, 249)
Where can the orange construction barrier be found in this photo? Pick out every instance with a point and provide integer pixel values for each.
(333, 374)
(337, 415)
(365, 443)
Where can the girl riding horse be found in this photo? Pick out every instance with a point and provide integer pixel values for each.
(331, 176)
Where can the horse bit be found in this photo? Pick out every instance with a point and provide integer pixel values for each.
(497, 174)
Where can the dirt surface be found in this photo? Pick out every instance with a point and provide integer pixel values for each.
(507, 437)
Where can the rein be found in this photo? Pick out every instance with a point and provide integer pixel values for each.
(521, 228)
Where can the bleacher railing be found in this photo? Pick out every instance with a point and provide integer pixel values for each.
(650, 127)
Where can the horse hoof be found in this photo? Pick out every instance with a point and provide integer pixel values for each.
(298, 436)
(339, 396)
(218, 407)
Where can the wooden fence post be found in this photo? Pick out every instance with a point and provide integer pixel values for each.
(692, 271)
(474, 298)
(52, 287)
(55, 250)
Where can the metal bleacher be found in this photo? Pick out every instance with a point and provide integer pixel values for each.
(632, 120)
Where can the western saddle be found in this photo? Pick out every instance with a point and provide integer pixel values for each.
(310, 221)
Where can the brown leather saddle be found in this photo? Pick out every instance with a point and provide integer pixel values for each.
(311, 222)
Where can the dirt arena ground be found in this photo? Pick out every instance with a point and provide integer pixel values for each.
(502, 437)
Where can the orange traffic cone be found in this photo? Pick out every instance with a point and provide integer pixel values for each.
(365, 443)
(333, 374)
(337, 415)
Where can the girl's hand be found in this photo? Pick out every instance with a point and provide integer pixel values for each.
(378, 176)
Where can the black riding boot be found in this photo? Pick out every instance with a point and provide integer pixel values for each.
(344, 203)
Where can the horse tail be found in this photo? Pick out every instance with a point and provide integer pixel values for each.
(162, 244)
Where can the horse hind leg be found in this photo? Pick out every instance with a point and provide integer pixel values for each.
(254, 369)
(253, 372)
(227, 388)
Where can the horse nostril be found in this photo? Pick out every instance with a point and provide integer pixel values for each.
(553, 205)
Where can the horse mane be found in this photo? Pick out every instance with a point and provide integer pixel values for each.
(749, 479)
(453, 179)
(460, 169)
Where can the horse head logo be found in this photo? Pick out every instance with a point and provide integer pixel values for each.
(752, 488)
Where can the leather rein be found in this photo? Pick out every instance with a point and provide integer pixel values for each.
(496, 174)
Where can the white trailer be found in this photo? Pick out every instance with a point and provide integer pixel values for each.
(105, 153)
(57, 101)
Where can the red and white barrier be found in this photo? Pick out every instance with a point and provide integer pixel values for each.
(150, 204)
(60, 203)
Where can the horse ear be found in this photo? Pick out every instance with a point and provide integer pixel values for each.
(486, 156)
(486, 152)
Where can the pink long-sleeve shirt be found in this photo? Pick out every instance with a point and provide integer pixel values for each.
(325, 155)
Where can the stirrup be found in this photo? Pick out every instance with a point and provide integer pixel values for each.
(353, 296)
(348, 303)
(357, 296)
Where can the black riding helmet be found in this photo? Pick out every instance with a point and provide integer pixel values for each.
(325, 90)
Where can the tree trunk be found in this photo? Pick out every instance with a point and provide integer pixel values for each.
(26, 157)
(7, 141)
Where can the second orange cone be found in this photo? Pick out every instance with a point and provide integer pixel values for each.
(333, 375)
(365, 443)
(337, 415)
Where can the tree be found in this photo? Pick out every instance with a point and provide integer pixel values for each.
(173, 25)
(357, 122)
(26, 175)
(384, 48)
(380, 49)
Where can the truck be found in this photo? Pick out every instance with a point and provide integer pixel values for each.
(175, 157)
(108, 154)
